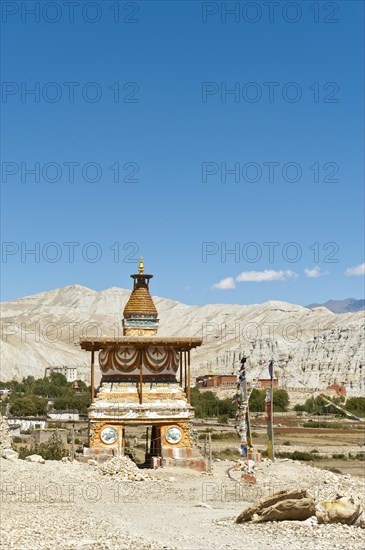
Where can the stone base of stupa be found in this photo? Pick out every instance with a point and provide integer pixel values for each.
(164, 410)
(184, 457)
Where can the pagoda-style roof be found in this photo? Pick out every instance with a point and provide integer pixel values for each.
(184, 344)
(140, 301)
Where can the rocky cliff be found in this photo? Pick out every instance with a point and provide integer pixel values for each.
(314, 346)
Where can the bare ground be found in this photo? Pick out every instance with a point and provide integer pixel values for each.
(70, 506)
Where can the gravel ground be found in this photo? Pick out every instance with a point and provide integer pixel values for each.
(63, 506)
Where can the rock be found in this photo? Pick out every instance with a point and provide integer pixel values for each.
(360, 521)
(92, 462)
(38, 459)
(10, 454)
(202, 505)
(124, 468)
(284, 505)
(249, 478)
(340, 510)
(311, 521)
(289, 509)
(265, 502)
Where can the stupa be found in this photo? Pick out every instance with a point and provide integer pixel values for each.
(145, 382)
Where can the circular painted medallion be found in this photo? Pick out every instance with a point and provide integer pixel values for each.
(109, 435)
(173, 435)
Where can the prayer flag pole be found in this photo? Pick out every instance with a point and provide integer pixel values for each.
(269, 403)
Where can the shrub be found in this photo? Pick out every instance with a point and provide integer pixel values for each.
(287, 443)
(53, 449)
(335, 470)
(339, 456)
(356, 405)
(320, 424)
(299, 455)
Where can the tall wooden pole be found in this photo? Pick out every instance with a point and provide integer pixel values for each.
(181, 368)
(245, 400)
(185, 377)
(147, 434)
(189, 376)
(269, 402)
(140, 381)
(72, 441)
(244, 425)
(92, 376)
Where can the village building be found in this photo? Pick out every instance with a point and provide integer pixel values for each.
(337, 388)
(72, 415)
(69, 372)
(145, 382)
(219, 382)
(27, 423)
(14, 430)
(211, 381)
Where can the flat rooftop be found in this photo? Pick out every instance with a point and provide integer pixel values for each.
(183, 344)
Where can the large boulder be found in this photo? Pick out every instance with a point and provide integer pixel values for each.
(340, 510)
(284, 505)
(10, 454)
(288, 509)
(35, 458)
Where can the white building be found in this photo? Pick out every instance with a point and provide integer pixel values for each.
(14, 430)
(64, 415)
(69, 372)
(27, 422)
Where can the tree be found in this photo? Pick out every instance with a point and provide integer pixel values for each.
(70, 400)
(318, 406)
(281, 400)
(208, 405)
(356, 405)
(29, 406)
(257, 400)
(227, 408)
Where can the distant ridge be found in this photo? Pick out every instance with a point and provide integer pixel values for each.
(349, 305)
(313, 346)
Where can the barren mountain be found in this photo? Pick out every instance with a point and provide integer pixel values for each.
(349, 305)
(315, 347)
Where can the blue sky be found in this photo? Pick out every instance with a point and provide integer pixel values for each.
(141, 146)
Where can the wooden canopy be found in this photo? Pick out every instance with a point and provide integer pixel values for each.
(183, 344)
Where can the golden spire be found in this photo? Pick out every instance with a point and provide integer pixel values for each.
(141, 266)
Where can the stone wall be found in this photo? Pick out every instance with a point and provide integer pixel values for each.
(5, 438)
(42, 436)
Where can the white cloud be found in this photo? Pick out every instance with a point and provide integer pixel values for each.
(225, 284)
(315, 272)
(267, 275)
(356, 270)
